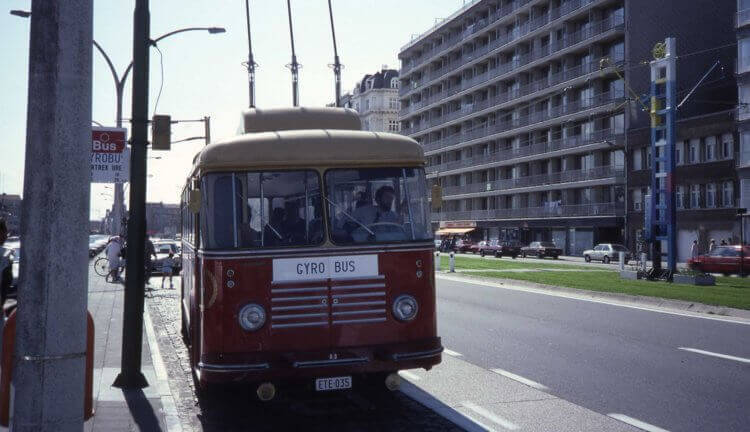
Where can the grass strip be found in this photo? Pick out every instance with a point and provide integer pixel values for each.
(505, 263)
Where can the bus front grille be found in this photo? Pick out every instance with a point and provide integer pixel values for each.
(293, 307)
(358, 301)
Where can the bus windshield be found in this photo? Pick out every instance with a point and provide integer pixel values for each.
(377, 205)
(261, 209)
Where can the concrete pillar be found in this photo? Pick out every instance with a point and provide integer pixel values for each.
(51, 340)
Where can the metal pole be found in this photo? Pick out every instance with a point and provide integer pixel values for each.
(130, 373)
(336, 63)
(294, 66)
(250, 61)
(50, 343)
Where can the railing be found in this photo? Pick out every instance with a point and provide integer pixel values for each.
(592, 30)
(578, 210)
(527, 149)
(521, 121)
(515, 34)
(537, 180)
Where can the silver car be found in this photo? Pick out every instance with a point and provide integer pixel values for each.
(606, 252)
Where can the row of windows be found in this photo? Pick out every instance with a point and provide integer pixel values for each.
(188, 218)
(694, 196)
(696, 150)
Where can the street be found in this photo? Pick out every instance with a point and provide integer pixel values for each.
(609, 359)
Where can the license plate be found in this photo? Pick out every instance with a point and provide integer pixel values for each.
(334, 383)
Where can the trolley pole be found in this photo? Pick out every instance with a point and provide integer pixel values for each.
(50, 341)
(132, 327)
(294, 66)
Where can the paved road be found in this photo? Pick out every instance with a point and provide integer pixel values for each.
(607, 358)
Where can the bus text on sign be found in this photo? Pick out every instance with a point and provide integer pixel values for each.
(110, 157)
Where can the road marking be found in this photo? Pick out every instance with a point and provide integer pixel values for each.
(583, 297)
(637, 423)
(408, 375)
(520, 379)
(489, 415)
(713, 354)
(452, 353)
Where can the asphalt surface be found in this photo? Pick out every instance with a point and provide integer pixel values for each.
(609, 359)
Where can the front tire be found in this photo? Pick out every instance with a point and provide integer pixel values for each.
(605, 260)
(481, 253)
(587, 258)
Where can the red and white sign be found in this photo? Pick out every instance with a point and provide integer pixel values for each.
(110, 156)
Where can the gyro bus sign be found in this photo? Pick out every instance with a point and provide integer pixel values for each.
(110, 156)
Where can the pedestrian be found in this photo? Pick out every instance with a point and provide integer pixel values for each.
(6, 266)
(167, 268)
(150, 251)
(711, 245)
(723, 242)
(114, 247)
(694, 252)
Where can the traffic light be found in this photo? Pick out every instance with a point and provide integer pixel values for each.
(161, 132)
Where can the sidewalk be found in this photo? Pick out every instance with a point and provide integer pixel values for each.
(148, 409)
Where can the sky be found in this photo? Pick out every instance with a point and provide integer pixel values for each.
(202, 72)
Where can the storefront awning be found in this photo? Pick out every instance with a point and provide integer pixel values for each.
(444, 231)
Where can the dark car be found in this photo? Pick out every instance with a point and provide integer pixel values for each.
(463, 245)
(724, 260)
(541, 250)
(489, 247)
(511, 249)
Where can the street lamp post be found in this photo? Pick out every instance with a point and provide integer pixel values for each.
(120, 88)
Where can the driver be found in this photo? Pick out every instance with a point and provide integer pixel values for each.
(369, 214)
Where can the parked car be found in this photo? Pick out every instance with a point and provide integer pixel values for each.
(15, 256)
(511, 249)
(489, 247)
(438, 242)
(724, 260)
(163, 249)
(606, 252)
(541, 250)
(463, 245)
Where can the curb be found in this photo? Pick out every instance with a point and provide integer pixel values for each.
(655, 302)
(171, 417)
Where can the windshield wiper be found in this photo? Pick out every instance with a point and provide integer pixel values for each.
(348, 215)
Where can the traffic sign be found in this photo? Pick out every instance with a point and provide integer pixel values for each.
(110, 155)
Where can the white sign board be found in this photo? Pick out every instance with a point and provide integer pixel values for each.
(316, 268)
(110, 155)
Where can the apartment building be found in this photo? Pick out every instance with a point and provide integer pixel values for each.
(523, 108)
(742, 25)
(376, 99)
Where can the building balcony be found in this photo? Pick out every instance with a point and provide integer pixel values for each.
(450, 44)
(513, 94)
(528, 149)
(544, 212)
(486, 130)
(468, 59)
(601, 172)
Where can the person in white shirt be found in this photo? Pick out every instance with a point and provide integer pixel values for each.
(694, 250)
(113, 256)
(167, 268)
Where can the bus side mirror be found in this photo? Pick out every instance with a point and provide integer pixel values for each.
(194, 201)
(437, 197)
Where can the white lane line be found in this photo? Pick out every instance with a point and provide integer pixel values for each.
(637, 423)
(520, 379)
(584, 297)
(452, 353)
(489, 415)
(713, 354)
(408, 375)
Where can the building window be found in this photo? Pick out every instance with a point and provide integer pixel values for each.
(367, 104)
(637, 200)
(711, 195)
(695, 196)
(393, 126)
(744, 105)
(617, 124)
(694, 151)
(679, 152)
(395, 104)
(745, 148)
(743, 55)
(727, 194)
(637, 160)
(710, 148)
(648, 158)
(727, 146)
(395, 83)
(680, 197)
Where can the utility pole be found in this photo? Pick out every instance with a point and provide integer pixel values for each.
(250, 60)
(50, 340)
(132, 328)
(294, 66)
(336, 63)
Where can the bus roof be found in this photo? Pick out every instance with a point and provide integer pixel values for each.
(256, 120)
(309, 148)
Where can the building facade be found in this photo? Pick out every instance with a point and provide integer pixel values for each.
(376, 100)
(162, 220)
(523, 108)
(742, 25)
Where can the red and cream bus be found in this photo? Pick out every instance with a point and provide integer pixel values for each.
(307, 254)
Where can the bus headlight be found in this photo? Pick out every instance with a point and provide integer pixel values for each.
(252, 317)
(405, 307)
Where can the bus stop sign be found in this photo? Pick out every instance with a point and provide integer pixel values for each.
(110, 156)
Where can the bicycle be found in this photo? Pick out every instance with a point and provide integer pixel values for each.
(101, 267)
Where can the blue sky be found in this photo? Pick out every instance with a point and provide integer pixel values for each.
(202, 72)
